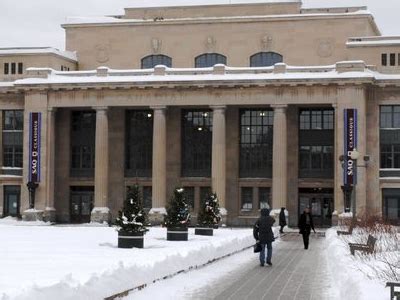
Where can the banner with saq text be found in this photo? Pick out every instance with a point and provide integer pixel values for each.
(34, 146)
(350, 143)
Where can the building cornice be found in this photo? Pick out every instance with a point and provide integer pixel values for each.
(110, 21)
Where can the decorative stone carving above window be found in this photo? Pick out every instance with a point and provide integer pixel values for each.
(102, 53)
(156, 45)
(266, 42)
(210, 43)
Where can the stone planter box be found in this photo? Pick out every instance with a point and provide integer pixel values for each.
(177, 234)
(203, 231)
(130, 239)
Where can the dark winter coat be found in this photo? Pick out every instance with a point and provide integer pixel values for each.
(262, 230)
(303, 227)
(282, 218)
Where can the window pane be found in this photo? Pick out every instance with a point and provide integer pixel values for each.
(384, 59)
(6, 69)
(209, 59)
(13, 68)
(151, 61)
(247, 198)
(265, 59)
(392, 59)
(20, 68)
(147, 195)
(263, 197)
(189, 195)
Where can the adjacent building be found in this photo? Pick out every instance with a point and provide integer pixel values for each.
(251, 101)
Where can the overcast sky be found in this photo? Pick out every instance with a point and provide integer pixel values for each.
(37, 22)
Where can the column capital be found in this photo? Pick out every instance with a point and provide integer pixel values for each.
(218, 107)
(279, 106)
(100, 108)
(334, 105)
(51, 109)
(158, 107)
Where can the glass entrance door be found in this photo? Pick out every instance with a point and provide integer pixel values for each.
(11, 200)
(320, 202)
(81, 204)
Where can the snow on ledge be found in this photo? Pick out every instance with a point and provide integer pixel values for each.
(37, 51)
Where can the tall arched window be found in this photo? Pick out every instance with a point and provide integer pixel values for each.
(265, 59)
(151, 61)
(209, 59)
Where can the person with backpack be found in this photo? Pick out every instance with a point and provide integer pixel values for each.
(263, 234)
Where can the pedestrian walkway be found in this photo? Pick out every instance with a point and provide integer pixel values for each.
(296, 274)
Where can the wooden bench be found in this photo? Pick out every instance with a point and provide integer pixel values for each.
(369, 247)
(350, 231)
(393, 292)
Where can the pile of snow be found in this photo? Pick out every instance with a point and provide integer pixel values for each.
(16, 222)
(75, 262)
(349, 278)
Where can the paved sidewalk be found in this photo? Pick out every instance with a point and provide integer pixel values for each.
(296, 274)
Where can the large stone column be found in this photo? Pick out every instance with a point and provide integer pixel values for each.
(101, 212)
(159, 177)
(279, 157)
(50, 211)
(218, 167)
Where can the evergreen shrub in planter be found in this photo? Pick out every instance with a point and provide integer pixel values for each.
(209, 216)
(177, 218)
(132, 220)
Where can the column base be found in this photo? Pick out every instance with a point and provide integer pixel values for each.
(32, 215)
(156, 215)
(100, 215)
(335, 219)
(49, 215)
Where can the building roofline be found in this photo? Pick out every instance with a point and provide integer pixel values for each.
(111, 21)
(200, 6)
(11, 51)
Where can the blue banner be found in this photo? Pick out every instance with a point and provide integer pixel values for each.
(350, 144)
(35, 127)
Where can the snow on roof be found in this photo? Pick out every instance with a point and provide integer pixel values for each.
(217, 74)
(116, 20)
(38, 50)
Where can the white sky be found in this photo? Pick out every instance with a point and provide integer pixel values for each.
(37, 22)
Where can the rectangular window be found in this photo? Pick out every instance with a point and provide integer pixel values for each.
(391, 205)
(196, 143)
(389, 139)
(189, 195)
(205, 192)
(20, 68)
(316, 119)
(147, 195)
(264, 198)
(139, 143)
(398, 59)
(256, 134)
(12, 139)
(13, 68)
(392, 59)
(247, 198)
(6, 68)
(83, 126)
(384, 59)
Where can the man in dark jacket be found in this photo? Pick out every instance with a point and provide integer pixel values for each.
(262, 232)
(305, 226)
(282, 219)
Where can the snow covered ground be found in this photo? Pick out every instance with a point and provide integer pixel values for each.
(83, 262)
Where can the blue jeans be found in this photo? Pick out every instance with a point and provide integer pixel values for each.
(268, 245)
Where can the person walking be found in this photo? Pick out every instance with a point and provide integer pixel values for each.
(305, 226)
(282, 219)
(262, 232)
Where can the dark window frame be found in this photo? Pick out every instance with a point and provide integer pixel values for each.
(13, 68)
(13, 127)
(150, 61)
(196, 142)
(308, 119)
(265, 59)
(207, 60)
(384, 59)
(20, 68)
(255, 143)
(246, 198)
(139, 143)
(392, 57)
(6, 68)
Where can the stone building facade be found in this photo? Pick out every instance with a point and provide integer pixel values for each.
(148, 98)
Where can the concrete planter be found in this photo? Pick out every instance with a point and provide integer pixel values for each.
(177, 234)
(130, 239)
(203, 231)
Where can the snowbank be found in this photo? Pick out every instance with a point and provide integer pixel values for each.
(16, 222)
(349, 281)
(55, 262)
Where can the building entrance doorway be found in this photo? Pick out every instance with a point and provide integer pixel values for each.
(11, 200)
(81, 204)
(321, 204)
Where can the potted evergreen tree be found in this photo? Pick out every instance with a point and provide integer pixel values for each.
(209, 216)
(132, 220)
(177, 218)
